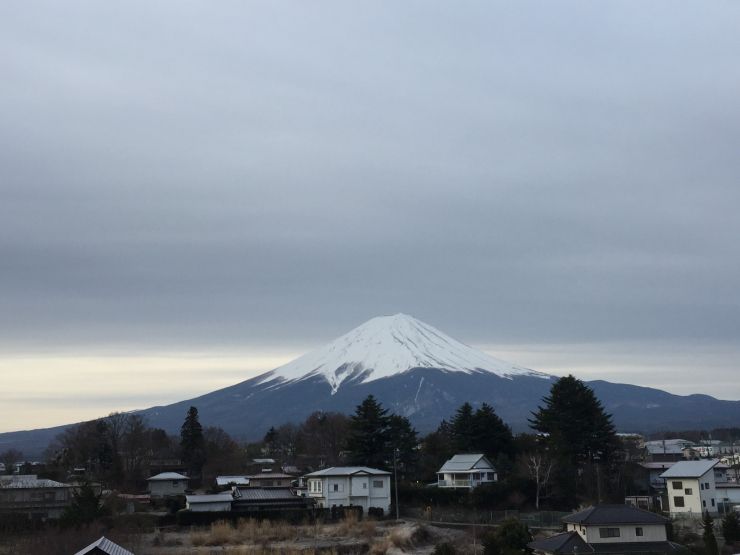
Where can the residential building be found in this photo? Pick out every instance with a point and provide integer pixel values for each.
(219, 502)
(224, 482)
(358, 486)
(167, 484)
(104, 546)
(691, 487)
(270, 480)
(466, 471)
(37, 498)
(252, 499)
(613, 529)
(666, 449)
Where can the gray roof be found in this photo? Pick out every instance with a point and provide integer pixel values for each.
(236, 480)
(106, 546)
(268, 475)
(263, 494)
(25, 482)
(565, 542)
(461, 463)
(209, 498)
(347, 471)
(614, 514)
(690, 469)
(168, 476)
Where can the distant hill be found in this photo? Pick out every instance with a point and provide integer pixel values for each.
(414, 370)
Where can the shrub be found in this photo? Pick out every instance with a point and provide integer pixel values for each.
(445, 548)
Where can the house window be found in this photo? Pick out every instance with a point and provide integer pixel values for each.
(712, 502)
(701, 486)
(337, 487)
(688, 491)
(377, 483)
(608, 532)
(677, 485)
(706, 485)
(678, 501)
(491, 476)
(638, 531)
(704, 504)
(364, 485)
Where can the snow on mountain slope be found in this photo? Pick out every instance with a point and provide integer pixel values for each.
(390, 345)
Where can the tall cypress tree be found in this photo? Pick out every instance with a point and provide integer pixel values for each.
(192, 444)
(490, 435)
(368, 434)
(579, 435)
(461, 429)
(710, 541)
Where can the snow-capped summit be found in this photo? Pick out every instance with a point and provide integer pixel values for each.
(386, 346)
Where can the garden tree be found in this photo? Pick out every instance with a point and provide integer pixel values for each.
(324, 435)
(511, 538)
(222, 454)
(539, 467)
(402, 436)
(578, 433)
(87, 445)
(490, 435)
(288, 441)
(731, 527)
(270, 440)
(135, 449)
(9, 457)
(461, 429)
(192, 443)
(84, 508)
(116, 423)
(710, 542)
(368, 434)
(436, 448)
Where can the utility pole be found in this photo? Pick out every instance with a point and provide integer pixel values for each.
(395, 479)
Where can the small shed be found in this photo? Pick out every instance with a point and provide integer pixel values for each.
(219, 502)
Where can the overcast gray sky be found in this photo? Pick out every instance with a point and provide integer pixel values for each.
(193, 191)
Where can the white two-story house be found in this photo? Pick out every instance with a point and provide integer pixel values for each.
(357, 486)
(691, 488)
(466, 471)
(614, 529)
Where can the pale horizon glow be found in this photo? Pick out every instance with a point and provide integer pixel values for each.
(53, 389)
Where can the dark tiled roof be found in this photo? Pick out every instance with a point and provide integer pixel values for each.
(614, 514)
(566, 542)
(264, 494)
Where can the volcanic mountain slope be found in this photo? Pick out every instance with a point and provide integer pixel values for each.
(414, 370)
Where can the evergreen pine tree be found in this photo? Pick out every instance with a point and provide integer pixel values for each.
(490, 435)
(402, 437)
(731, 527)
(368, 434)
(461, 429)
(579, 435)
(710, 542)
(192, 444)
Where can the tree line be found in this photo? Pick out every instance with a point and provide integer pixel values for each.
(571, 454)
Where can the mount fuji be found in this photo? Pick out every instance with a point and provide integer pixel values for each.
(414, 370)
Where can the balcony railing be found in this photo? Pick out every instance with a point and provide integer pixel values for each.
(461, 483)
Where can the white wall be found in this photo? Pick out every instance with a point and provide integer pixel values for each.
(163, 488)
(628, 533)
